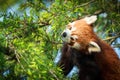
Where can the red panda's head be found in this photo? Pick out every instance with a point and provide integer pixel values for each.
(80, 35)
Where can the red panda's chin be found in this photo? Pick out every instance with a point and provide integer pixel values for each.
(71, 43)
(74, 45)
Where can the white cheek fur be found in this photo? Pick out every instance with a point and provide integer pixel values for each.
(69, 32)
(75, 37)
(76, 45)
(73, 28)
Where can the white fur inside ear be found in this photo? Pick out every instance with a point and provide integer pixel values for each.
(94, 47)
(91, 19)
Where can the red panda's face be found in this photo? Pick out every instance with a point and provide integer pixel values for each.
(79, 33)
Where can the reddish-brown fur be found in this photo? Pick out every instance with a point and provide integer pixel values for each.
(107, 59)
(86, 63)
(108, 62)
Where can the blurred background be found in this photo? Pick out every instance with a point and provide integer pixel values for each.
(30, 34)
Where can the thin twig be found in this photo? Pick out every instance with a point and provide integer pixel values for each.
(53, 74)
(110, 38)
(54, 42)
(116, 45)
(85, 3)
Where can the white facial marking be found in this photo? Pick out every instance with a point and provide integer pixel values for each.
(73, 28)
(94, 47)
(69, 32)
(74, 37)
(91, 19)
(76, 46)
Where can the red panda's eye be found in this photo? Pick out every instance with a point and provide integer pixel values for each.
(70, 28)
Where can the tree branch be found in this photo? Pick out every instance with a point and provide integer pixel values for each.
(112, 39)
(85, 3)
(116, 45)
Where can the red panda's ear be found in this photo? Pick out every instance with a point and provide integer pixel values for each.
(91, 19)
(93, 47)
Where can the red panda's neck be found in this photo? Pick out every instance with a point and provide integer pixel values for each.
(107, 59)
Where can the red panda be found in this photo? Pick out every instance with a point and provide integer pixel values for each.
(83, 47)
(86, 64)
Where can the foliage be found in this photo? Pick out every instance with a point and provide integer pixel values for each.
(30, 41)
(5, 4)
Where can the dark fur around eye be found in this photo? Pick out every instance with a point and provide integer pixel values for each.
(70, 28)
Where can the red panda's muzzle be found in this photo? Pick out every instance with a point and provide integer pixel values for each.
(66, 35)
(70, 39)
(66, 39)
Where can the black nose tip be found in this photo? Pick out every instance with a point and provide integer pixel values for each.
(64, 34)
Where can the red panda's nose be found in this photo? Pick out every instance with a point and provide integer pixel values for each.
(64, 34)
